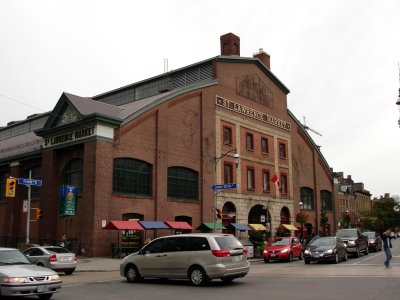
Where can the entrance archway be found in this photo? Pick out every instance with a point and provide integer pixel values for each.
(228, 216)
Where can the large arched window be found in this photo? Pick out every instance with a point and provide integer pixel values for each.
(132, 176)
(73, 174)
(326, 200)
(307, 197)
(183, 183)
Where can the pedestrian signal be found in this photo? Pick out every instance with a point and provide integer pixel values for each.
(39, 214)
(10, 187)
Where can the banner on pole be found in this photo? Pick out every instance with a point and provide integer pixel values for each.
(67, 196)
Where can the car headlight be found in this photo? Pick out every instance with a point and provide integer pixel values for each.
(351, 242)
(307, 251)
(54, 277)
(15, 280)
(284, 250)
(330, 251)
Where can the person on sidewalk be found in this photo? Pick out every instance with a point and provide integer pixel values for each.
(387, 244)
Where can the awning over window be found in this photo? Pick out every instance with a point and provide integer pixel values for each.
(153, 225)
(257, 227)
(238, 226)
(289, 227)
(123, 225)
(210, 226)
(178, 225)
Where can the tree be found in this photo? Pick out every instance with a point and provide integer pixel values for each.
(383, 215)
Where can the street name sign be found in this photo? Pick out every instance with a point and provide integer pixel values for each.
(35, 182)
(224, 186)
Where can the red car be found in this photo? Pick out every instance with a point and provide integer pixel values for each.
(283, 248)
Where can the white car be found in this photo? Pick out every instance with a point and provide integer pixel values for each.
(19, 277)
(197, 257)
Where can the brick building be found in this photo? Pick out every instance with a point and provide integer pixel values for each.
(153, 150)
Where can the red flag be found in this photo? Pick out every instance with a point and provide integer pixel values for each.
(275, 180)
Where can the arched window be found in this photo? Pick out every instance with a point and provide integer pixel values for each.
(307, 197)
(326, 200)
(132, 176)
(73, 174)
(183, 183)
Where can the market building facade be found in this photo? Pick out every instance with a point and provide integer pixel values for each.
(152, 151)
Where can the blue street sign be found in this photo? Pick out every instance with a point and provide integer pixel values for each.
(224, 186)
(35, 182)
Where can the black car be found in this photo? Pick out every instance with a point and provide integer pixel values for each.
(330, 249)
(374, 241)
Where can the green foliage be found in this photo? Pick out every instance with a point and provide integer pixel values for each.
(301, 218)
(382, 216)
(257, 238)
(323, 220)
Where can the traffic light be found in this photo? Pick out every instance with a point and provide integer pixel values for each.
(10, 187)
(219, 213)
(39, 214)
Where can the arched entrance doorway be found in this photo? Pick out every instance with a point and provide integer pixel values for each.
(228, 216)
(285, 215)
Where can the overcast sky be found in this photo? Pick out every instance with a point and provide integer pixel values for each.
(338, 58)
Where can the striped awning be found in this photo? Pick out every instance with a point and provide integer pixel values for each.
(289, 227)
(259, 227)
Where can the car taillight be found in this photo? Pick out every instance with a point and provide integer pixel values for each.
(245, 251)
(53, 258)
(220, 253)
(75, 258)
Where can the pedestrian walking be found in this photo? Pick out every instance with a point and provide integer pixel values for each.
(387, 244)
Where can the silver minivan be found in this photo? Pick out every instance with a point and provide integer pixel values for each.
(199, 257)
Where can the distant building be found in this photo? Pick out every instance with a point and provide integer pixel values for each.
(352, 199)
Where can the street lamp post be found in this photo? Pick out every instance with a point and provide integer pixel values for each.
(348, 218)
(216, 160)
(301, 223)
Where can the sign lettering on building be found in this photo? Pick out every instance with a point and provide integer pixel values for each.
(252, 113)
(69, 136)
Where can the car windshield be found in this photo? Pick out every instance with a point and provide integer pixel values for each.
(346, 233)
(280, 242)
(370, 235)
(12, 257)
(323, 242)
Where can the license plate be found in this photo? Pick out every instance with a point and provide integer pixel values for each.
(64, 259)
(236, 258)
(42, 288)
(272, 255)
(316, 255)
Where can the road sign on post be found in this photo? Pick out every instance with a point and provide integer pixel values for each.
(35, 182)
(224, 186)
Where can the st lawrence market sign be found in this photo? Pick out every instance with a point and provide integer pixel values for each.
(69, 137)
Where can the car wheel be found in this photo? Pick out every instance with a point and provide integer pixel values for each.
(290, 256)
(132, 274)
(266, 260)
(45, 296)
(69, 272)
(336, 259)
(307, 261)
(301, 256)
(40, 264)
(197, 276)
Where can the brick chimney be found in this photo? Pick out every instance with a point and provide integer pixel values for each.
(264, 57)
(230, 45)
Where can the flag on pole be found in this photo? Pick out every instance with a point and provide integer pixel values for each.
(275, 180)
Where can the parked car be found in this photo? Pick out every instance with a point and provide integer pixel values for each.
(197, 257)
(374, 241)
(355, 241)
(283, 248)
(56, 258)
(19, 277)
(330, 249)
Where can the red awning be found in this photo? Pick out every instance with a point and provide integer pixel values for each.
(178, 225)
(123, 225)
